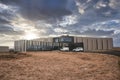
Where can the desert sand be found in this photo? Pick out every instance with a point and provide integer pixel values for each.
(56, 65)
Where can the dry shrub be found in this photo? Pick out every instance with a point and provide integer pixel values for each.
(119, 63)
(86, 58)
(9, 56)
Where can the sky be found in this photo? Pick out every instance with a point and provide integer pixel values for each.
(29, 19)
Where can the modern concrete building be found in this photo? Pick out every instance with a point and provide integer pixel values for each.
(55, 43)
(4, 49)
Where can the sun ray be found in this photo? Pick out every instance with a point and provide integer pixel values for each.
(30, 36)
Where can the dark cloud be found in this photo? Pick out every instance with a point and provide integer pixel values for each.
(44, 9)
(97, 32)
(80, 17)
(7, 13)
(106, 12)
(6, 29)
(3, 21)
(89, 32)
(41, 9)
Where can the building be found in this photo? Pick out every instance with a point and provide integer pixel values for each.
(4, 49)
(55, 43)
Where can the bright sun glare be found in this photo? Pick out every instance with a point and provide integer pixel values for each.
(30, 36)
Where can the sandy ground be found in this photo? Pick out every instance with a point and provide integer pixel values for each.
(57, 65)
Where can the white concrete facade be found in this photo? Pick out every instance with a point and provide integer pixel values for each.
(95, 44)
(32, 45)
(90, 44)
(4, 49)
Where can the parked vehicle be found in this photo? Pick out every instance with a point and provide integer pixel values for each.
(78, 49)
(64, 49)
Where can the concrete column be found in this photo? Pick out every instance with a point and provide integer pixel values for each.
(95, 46)
(43, 44)
(105, 44)
(47, 44)
(80, 40)
(75, 39)
(29, 43)
(15, 45)
(85, 42)
(18, 46)
(25, 45)
(37, 45)
(22, 46)
(110, 43)
(99, 42)
(51, 44)
(90, 44)
(40, 44)
(19, 43)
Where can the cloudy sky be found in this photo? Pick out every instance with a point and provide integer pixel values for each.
(28, 19)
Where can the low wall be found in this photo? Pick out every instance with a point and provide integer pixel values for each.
(4, 49)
